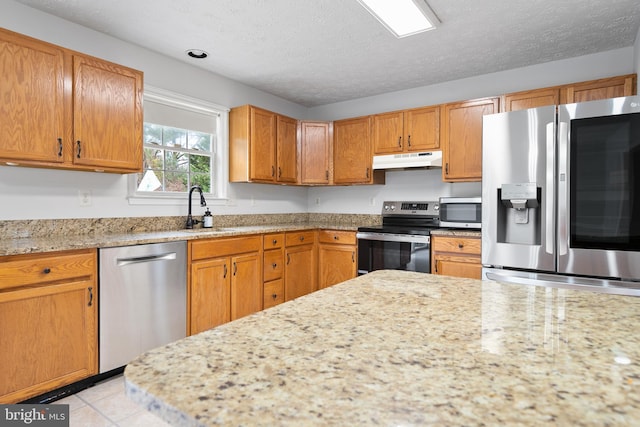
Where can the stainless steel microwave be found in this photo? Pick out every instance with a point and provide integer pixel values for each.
(461, 212)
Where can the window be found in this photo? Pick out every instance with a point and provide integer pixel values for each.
(184, 145)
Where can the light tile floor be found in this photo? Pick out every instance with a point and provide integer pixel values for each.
(106, 405)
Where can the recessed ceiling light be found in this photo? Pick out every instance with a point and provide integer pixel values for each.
(402, 17)
(197, 53)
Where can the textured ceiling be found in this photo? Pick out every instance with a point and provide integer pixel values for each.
(316, 52)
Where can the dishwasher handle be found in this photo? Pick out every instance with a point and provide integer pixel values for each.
(142, 259)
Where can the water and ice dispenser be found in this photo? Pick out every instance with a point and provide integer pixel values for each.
(519, 216)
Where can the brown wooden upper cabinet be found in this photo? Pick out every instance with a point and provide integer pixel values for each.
(352, 158)
(407, 131)
(68, 110)
(576, 92)
(315, 147)
(599, 89)
(461, 136)
(262, 146)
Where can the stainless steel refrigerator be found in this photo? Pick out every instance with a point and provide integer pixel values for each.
(561, 194)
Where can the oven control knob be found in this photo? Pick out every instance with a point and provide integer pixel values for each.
(393, 207)
(436, 207)
(386, 207)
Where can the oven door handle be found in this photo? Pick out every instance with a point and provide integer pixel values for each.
(388, 237)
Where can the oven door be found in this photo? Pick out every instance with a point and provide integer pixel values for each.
(385, 251)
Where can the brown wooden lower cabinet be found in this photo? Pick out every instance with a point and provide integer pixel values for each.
(300, 264)
(337, 257)
(225, 281)
(48, 322)
(273, 273)
(456, 256)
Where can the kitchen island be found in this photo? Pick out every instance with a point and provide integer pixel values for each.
(401, 348)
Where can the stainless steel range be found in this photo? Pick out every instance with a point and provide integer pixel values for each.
(403, 242)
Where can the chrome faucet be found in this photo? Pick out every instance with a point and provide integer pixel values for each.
(190, 221)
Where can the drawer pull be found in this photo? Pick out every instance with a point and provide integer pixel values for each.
(460, 246)
(46, 270)
(336, 238)
(275, 241)
(301, 238)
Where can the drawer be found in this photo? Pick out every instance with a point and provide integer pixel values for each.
(22, 270)
(460, 245)
(337, 236)
(212, 248)
(273, 267)
(273, 241)
(296, 238)
(273, 293)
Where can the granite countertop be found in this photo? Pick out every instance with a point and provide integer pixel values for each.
(61, 242)
(401, 348)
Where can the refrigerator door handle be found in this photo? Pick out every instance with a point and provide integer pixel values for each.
(549, 190)
(563, 149)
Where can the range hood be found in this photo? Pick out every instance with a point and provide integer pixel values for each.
(429, 159)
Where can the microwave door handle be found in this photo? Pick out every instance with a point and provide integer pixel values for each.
(563, 178)
(549, 190)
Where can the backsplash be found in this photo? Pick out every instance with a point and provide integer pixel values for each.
(15, 229)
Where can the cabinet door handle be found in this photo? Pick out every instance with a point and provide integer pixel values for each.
(78, 144)
(288, 259)
(446, 169)
(90, 296)
(400, 141)
(326, 175)
(273, 171)
(367, 173)
(274, 296)
(353, 256)
(59, 147)
(409, 140)
(235, 268)
(279, 172)
(274, 265)
(224, 275)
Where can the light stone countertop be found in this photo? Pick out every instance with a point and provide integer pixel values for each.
(56, 242)
(398, 348)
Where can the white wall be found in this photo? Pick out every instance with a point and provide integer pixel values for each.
(27, 193)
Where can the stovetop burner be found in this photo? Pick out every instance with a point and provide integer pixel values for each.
(417, 218)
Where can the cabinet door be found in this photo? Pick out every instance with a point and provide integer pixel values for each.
(287, 149)
(599, 89)
(246, 285)
(387, 133)
(462, 138)
(299, 271)
(457, 266)
(422, 129)
(32, 111)
(210, 294)
(48, 337)
(107, 115)
(336, 263)
(531, 99)
(352, 151)
(315, 152)
(263, 145)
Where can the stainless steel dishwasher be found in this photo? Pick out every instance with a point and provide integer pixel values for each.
(143, 300)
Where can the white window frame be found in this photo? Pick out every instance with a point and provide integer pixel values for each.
(220, 152)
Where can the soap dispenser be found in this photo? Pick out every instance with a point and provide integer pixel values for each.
(207, 219)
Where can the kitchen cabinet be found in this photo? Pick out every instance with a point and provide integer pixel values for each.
(599, 89)
(225, 280)
(48, 322)
(67, 110)
(273, 273)
(262, 146)
(300, 270)
(530, 99)
(461, 138)
(456, 256)
(315, 148)
(405, 131)
(352, 159)
(337, 257)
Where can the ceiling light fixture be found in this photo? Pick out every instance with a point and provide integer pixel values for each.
(402, 17)
(197, 53)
